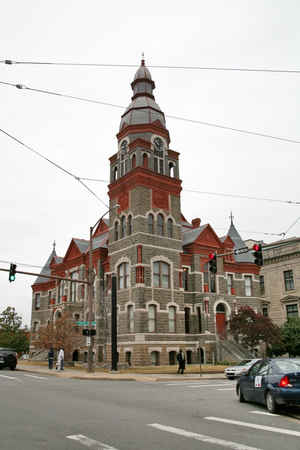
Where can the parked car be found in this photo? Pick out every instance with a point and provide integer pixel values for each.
(274, 382)
(243, 367)
(8, 358)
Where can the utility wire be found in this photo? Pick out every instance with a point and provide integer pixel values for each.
(294, 223)
(21, 264)
(53, 163)
(220, 194)
(255, 232)
(200, 122)
(70, 64)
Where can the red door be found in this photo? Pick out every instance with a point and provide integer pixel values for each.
(221, 324)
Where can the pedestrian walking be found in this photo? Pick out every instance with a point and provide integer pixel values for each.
(60, 359)
(181, 362)
(50, 358)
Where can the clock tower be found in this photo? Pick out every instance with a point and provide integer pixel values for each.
(145, 240)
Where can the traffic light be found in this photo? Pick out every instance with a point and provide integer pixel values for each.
(93, 332)
(212, 262)
(12, 272)
(258, 256)
(86, 332)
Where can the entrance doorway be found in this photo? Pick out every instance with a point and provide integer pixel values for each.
(221, 320)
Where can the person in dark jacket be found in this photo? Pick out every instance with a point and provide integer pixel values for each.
(50, 358)
(181, 361)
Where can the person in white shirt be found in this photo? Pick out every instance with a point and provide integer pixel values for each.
(60, 359)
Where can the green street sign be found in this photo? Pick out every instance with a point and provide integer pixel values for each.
(85, 324)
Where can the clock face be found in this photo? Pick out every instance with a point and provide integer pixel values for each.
(158, 143)
(124, 145)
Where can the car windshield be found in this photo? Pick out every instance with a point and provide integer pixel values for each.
(245, 361)
(284, 366)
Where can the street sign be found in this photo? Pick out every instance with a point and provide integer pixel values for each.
(85, 324)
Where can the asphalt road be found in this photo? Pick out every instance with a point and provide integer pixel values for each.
(43, 412)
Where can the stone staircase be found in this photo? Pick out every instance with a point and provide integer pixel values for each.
(229, 350)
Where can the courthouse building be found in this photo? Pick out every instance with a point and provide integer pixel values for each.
(166, 296)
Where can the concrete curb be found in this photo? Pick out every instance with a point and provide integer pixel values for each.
(120, 377)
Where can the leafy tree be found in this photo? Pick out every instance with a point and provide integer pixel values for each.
(290, 333)
(11, 333)
(59, 333)
(252, 328)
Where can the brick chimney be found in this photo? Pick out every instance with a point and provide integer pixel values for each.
(196, 222)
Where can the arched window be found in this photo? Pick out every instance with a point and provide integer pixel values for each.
(170, 228)
(73, 290)
(129, 225)
(130, 318)
(145, 160)
(123, 226)
(116, 231)
(161, 275)
(152, 318)
(150, 224)
(115, 174)
(171, 170)
(158, 156)
(133, 161)
(123, 275)
(160, 224)
(172, 319)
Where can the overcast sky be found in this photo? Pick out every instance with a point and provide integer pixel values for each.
(40, 204)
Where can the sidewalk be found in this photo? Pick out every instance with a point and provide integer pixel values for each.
(82, 374)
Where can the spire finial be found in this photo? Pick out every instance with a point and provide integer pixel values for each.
(54, 245)
(231, 218)
(143, 59)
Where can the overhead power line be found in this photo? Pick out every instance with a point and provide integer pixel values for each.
(199, 122)
(21, 264)
(153, 66)
(54, 164)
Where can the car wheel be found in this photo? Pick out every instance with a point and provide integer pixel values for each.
(240, 395)
(270, 403)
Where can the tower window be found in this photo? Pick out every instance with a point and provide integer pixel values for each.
(172, 319)
(130, 318)
(170, 228)
(145, 160)
(158, 156)
(133, 161)
(150, 223)
(123, 226)
(187, 320)
(129, 225)
(116, 231)
(171, 170)
(115, 174)
(152, 318)
(160, 224)
(161, 275)
(123, 275)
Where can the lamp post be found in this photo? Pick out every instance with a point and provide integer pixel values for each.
(91, 278)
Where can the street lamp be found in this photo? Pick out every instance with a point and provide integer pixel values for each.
(91, 278)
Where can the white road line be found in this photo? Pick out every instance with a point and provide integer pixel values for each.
(202, 437)
(34, 376)
(226, 389)
(264, 413)
(90, 442)
(10, 378)
(256, 426)
(187, 384)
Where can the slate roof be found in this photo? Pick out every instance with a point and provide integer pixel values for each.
(239, 243)
(46, 269)
(190, 235)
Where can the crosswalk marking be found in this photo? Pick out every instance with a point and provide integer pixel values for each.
(256, 426)
(91, 443)
(10, 378)
(202, 437)
(34, 376)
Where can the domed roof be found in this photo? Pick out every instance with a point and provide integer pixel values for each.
(143, 109)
